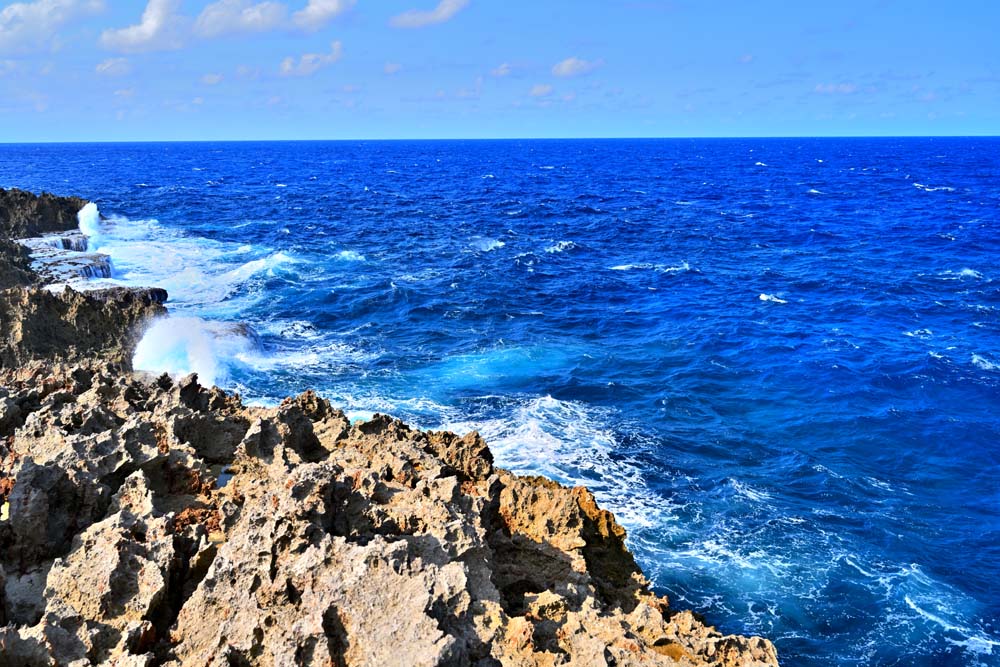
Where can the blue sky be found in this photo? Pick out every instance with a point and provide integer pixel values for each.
(110, 70)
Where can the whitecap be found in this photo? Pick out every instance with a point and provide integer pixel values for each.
(919, 333)
(487, 245)
(750, 493)
(561, 246)
(964, 273)
(985, 364)
(280, 185)
(772, 298)
(814, 191)
(662, 268)
(350, 256)
(487, 176)
(927, 188)
(760, 164)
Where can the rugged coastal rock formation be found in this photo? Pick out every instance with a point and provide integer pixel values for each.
(24, 214)
(152, 521)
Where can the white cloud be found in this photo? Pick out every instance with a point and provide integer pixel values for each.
(198, 101)
(212, 79)
(836, 88)
(416, 18)
(746, 58)
(541, 90)
(575, 66)
(160, 28)
(309, 63)
(114, 67)
(501, 70)
(318, 12)
(228, 16)
(246, 72)
(125, 93)
(392, 68)
(31, 25)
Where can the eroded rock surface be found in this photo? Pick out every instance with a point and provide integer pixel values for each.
(100, 325)
(24, 214)
(153, 522)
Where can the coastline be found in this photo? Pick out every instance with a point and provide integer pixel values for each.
(209, 530)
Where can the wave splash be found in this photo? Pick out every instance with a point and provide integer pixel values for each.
(182, 345)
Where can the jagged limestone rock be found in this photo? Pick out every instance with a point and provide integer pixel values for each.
(330, 543)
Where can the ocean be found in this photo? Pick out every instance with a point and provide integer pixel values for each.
(776, 360)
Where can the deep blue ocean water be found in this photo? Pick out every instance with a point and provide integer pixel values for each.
(778, 361)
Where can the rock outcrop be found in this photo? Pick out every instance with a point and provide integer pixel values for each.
(152, 521)
(24, 214)
(159, 522)
(101, 325)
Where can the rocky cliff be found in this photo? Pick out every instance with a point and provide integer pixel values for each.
(152, 521)
(24, 214)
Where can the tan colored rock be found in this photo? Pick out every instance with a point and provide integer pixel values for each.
(332, 544)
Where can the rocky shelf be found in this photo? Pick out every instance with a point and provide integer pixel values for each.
(152, 521)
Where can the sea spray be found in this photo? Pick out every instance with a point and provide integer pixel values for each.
(182, 345)
(89, 219)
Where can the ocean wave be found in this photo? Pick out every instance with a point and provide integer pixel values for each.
(561, 246)
(182, 345)
(983, 363)
(927, 188)
(350, 256)
(662, 268)
(772, 298)
(572, 443)
(487, 245)
(89, 220)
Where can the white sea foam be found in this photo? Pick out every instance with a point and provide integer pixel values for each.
(772, 298)
(970, 639)
(572, 443)
(748, 492)
(350, 256)
(662, 268)
(561, 246)
(760, 164)
(487, 245)
(963, 273)
(814, 191)
(182, 345)
(919, 333)
(927, 188)
(985, 364)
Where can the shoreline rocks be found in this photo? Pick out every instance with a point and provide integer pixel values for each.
(152, 521)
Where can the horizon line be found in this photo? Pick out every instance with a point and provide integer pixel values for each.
(429, 139)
